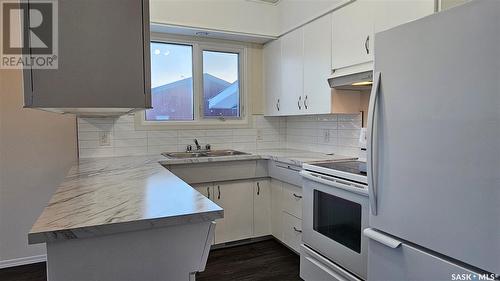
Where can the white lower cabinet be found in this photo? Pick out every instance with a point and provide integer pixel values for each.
(261, 208)
(247, 207)
(292, 200)
(256, 208)
(277, 208)
(286, 213)
(237, 223)
(292, 231)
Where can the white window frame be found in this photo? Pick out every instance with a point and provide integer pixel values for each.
(200, 121)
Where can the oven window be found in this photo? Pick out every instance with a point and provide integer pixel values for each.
(338, 219)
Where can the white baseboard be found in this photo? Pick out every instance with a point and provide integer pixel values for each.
(22, 261)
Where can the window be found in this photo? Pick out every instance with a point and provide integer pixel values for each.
(195, 83)
(171, 82)
(221, 91)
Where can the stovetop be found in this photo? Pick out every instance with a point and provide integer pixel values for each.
(352, 170)
(352, 167)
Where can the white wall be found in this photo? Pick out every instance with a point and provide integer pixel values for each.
(240, 15)
(227, 15)
(36, 151)
(293, 13)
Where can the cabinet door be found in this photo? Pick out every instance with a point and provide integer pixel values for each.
(317, 66)
(261, 208)
(352, 34)
(94, 38)
(389, 14)
(205, 189)
(236, 200)
(272, 77)
(292, 72)
(276, 209)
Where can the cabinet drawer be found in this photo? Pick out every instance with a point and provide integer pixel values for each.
(292, 231)
(315, 267)
(285, 173)
(292, 200)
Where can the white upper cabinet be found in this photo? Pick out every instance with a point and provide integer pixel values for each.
(389, 14)
(354, 27)
(304, 62)
(297, 65)
(103, 60)
(352, 34)
(272, 78)
(317, 67)
(292, 49)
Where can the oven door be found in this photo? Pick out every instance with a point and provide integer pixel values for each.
(334, 216)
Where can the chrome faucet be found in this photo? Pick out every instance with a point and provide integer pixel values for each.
(198, 146)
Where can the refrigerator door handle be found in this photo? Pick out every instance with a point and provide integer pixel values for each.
(381, 238)
(372, 188)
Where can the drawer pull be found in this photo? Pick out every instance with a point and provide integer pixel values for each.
(297, 196)
(297, 230)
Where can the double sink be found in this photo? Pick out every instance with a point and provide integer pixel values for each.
(203, 153)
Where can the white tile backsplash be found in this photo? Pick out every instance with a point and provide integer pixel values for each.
(323, 133)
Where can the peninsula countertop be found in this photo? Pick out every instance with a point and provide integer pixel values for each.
(102, 196)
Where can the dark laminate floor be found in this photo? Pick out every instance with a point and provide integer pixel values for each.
(31, 272)
(267, 260)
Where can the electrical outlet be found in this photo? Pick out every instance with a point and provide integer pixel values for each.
(326, 135)
(259, 135)
(104, 139)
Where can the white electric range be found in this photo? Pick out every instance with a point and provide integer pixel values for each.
(335, 212)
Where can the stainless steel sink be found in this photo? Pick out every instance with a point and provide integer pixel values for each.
(228, 152)
(199, 154)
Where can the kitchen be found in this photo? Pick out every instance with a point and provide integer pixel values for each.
(262, 140)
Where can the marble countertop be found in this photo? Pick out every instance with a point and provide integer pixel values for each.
(103, 196)
(110, 195)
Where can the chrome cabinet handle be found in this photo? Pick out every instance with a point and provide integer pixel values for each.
(218, 190)
(297, 196)
(208, 191)
(297, 230)
(367, 44)
(372, 187)
(298, 102)
(305, 102)
(258, 188)
(278, 105)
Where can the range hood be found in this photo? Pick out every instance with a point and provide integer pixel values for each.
(354, 82)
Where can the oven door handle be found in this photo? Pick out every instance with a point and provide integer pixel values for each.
(332, 182)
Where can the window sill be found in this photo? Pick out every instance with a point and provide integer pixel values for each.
(143, 125)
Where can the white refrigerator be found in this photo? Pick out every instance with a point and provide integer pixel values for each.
(434, 148)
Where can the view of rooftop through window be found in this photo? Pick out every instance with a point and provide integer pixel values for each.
(173, 86)
(171, 82)
(220, 84)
